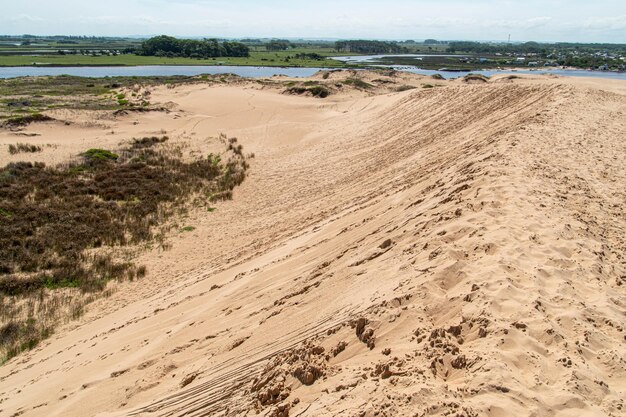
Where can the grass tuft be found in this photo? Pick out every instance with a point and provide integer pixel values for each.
(23, 147)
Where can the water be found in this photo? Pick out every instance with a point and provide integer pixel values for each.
(489, 73)
(365, 59)
(262, 72)
(156, 70)
(371, 59)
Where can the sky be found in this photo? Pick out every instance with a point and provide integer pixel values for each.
(527, 20)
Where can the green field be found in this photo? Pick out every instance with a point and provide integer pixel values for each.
(274, 59)
(256, 58)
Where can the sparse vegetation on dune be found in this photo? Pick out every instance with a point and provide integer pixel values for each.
(404, 88)
(26, 100)
(71, 228)
(475, 78)
(314, 90)
(27, 119)
(23, 148)
(358, 83)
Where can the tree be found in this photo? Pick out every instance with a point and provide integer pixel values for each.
(277, 45)
(369, 47)
(169, 46)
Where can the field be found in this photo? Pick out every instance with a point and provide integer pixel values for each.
(67, 51)
(111, 52)
(270, 59)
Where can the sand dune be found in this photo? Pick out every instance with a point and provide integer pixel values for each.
(447, 251)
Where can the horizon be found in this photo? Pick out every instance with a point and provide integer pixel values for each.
(483, 20)
(301, 38)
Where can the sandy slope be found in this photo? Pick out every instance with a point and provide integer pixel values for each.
(449, 251)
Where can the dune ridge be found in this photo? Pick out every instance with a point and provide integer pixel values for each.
(456, 250)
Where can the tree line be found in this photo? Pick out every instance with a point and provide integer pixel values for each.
(370, 47)
(169, 46)
(531, 47)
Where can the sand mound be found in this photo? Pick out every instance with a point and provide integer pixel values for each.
(446, 251)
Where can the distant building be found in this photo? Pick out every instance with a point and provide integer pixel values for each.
(533, 64)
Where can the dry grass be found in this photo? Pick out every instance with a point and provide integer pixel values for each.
(24, 148)
(66, 231)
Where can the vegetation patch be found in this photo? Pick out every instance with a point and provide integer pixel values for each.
(315, 91)
(147, 142)
(23, 148)
(475, 78)
(76, 226)
(27, 119)
(405, 88)
(358, 83)
(93, 156)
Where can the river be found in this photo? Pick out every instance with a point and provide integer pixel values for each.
(263, 72)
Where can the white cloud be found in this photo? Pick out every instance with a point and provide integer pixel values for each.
(26, 18)
(562, 20)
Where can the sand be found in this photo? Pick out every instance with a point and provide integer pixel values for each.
(447, 251)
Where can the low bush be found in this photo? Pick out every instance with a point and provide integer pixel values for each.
(315, 91)
(358, 83)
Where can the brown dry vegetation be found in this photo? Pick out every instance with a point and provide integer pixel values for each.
(23, 147)
(63, 226)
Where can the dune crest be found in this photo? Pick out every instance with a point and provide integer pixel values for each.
(456, 250)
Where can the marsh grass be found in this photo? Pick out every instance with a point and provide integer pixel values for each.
(66, 231)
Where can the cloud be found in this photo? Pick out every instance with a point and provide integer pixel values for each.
(548, 20)
(26, 18)
(606, 23)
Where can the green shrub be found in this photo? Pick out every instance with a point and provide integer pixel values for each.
(99, 155)
(316, 91)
